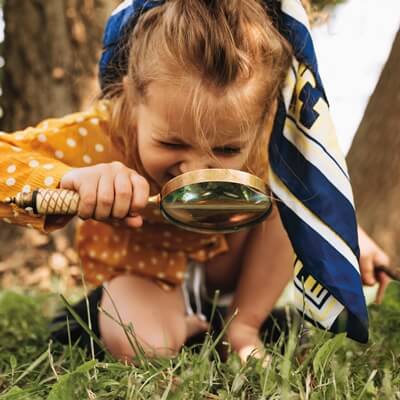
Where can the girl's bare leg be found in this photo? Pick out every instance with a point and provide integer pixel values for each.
(157, 317)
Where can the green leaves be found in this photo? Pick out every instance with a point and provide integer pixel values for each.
(73, 386)
(326, 352)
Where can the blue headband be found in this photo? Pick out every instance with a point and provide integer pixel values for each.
(308, 173)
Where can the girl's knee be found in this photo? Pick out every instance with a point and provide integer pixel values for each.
(153, 343)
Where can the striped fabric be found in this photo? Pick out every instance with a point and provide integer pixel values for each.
(308, 174)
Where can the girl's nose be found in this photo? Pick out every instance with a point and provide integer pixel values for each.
(194, 162)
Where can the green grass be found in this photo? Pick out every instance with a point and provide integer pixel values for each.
(308, 364)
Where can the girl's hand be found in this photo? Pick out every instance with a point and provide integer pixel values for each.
(109, 191)
(372, 256)
(244, 340)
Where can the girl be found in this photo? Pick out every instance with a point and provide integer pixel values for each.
(192, 84)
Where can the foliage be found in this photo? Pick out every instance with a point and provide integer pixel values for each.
(307, 364)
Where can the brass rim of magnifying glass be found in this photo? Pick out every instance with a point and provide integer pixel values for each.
(214, 175)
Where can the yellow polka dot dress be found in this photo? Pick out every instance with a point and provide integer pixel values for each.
(38, 157)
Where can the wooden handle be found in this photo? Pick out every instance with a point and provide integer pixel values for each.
(57, 201)
(394, 273)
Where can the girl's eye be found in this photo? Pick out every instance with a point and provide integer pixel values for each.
(227, 151)
(172, 145)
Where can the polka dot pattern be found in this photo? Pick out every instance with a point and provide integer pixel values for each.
(33, 163)
(156, 250)
(11, 169)
(48, 181)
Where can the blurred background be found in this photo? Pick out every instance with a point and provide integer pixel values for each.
(48, 65)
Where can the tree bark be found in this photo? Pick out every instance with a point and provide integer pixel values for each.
(51, 50)
(374, 160)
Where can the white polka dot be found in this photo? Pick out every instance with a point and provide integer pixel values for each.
(116, 255)
(45, 124)
(129, 267)
(115, 238)
(71, 142)
(136, 247)
(19, 136)
(95, 238)
(161, 275)
(94, 121)
(99, 277)
(16, 149)
(141, 264)
(59, 154)
(91, 266)
(42, 138)
(26, 189)
(106, 239)
(92, 253)
(172, 262)
(178, 240)
(124, 252)
(11, 169)
(48, 167)
(83, 131)
(164, 254)
(180, 275)
(87, 159)
(166, 244)
(33, 163)
(10, 182)
(156, 212)
(104, 254)
(154, 260)
(99, 148)
(7, 220)
(180, 253)
(167, 234)
(80, 118)
(49, 180)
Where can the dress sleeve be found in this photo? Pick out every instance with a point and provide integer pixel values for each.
(38, 157)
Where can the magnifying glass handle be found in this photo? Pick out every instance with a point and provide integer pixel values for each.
(57, 201)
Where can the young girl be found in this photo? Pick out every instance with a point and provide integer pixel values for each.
(192, 84)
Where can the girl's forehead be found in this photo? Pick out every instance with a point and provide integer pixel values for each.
(190, 111)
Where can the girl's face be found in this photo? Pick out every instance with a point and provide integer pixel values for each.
(168, 144)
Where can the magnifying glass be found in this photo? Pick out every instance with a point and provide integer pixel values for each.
(205, 201)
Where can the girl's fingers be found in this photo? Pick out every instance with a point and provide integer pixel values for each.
(123, 195)
(133, 222)
(141, 191)
(367, 271)
(87, 202)
(105, 197)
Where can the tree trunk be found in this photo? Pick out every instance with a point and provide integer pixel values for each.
(374, 160)
(51, 51)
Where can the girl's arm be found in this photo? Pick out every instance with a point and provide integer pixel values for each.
(266, 270)
(38, 157)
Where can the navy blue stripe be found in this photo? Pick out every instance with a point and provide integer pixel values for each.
(300, 38)
(325, 264)
(311, 187)
(319, 144)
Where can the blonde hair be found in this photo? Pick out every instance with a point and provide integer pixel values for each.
(220, 44)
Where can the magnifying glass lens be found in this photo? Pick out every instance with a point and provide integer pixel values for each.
(215, 206)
